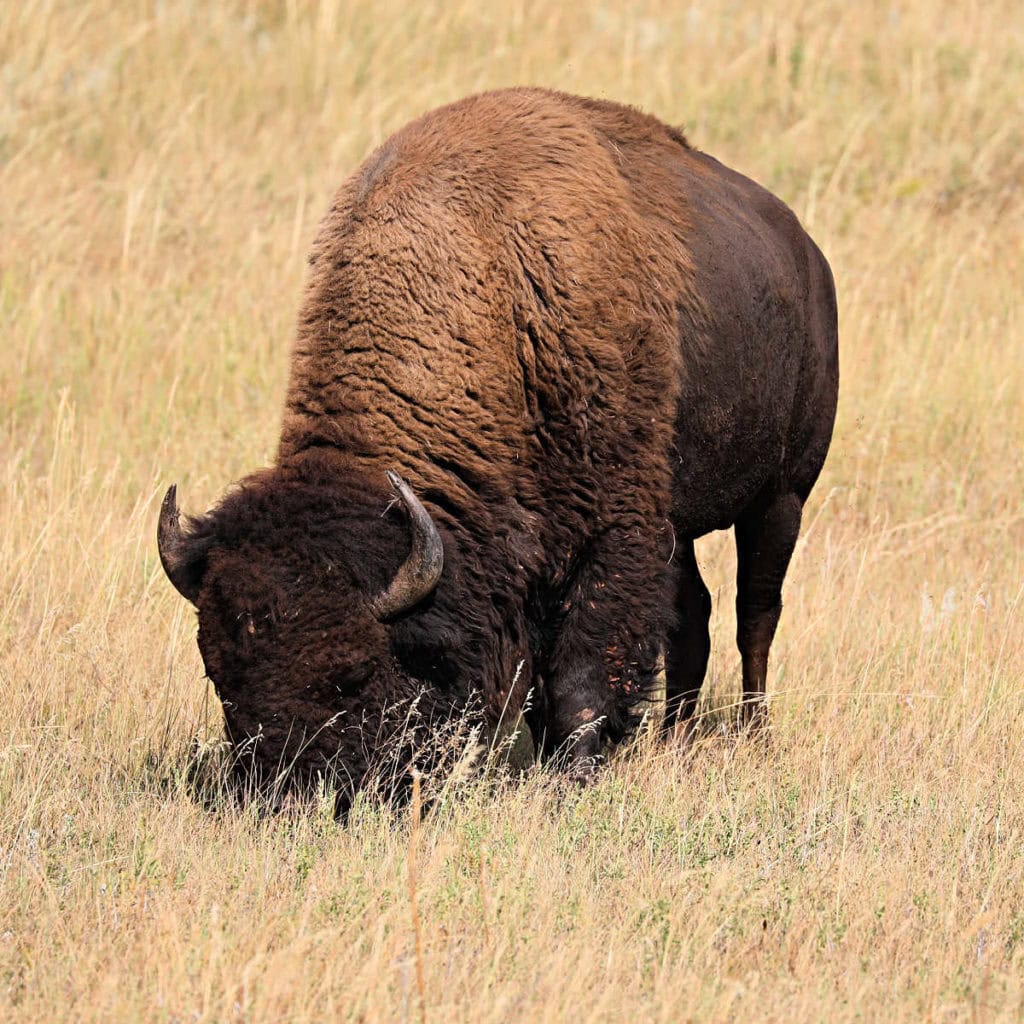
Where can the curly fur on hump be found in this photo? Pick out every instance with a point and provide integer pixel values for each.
(583, 344)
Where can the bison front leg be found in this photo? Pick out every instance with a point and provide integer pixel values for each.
(689, 643)
(606, 653)
(578, 713)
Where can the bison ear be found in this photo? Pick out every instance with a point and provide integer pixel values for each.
(420, 572)
(183, 555)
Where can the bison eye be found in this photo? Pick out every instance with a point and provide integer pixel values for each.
(248, 625)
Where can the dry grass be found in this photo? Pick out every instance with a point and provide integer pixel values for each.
(162, 167)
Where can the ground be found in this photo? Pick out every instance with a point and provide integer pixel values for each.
(162, 169)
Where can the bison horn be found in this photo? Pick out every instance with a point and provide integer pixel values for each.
(420, 572)
(182, 555)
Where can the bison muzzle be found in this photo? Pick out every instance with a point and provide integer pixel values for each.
(544, 345)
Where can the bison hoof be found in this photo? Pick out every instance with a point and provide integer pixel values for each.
(684, 734)
(584, 771)
(753, 719)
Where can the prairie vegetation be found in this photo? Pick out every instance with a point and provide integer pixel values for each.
(162, 169)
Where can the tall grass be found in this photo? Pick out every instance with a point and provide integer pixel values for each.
(162, 168)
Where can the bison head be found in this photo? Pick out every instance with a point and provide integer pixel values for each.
(297, 586)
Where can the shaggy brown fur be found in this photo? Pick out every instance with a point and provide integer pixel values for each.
(583, 344)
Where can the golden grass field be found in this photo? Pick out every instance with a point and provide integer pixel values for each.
(162, 169)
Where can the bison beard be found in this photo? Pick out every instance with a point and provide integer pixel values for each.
(544, 345)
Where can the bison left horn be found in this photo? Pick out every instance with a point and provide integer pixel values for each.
(182, 555)
(420, 572)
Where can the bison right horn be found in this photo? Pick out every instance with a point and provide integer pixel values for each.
(420, 572)
(182, 555)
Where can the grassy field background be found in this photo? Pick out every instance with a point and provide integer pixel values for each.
(162, 169)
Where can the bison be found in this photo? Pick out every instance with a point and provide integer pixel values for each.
(544, 345)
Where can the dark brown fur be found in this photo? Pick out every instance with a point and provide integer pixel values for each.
(584, 344)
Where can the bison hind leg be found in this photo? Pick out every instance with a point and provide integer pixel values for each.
(766, 535)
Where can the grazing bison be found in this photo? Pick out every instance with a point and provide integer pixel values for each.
(544, 345)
